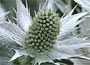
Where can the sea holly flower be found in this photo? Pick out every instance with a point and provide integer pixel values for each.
(44, 37)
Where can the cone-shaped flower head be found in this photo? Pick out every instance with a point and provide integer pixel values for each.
(42, 34)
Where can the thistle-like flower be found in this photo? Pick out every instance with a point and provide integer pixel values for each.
(46, 36)
(43, 31)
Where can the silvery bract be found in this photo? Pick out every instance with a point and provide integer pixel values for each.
(85, 25)
(84, 3)
(45, 37)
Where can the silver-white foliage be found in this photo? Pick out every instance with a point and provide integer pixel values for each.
(69, 23)
(10, 32)
(23, 16)
(84, 3)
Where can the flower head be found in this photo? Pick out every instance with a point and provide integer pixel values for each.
(46, 36)
(42, 34)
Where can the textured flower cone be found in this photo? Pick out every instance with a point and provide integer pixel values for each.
(42, 34)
